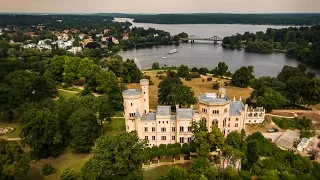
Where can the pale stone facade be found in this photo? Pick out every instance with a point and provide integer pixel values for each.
(164, 127)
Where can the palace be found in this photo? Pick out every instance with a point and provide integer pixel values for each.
(165, 127)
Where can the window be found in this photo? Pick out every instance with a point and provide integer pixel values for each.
(236, 125)
(181, 140)
(131, 104)
(189, 129)
(144, 99)
(181, 129)
(144, 92)
(153, 138)
(153, 129)
(167, 122)
(159, 122)
(163, 129)
(162, 122)
(229, 119)
(173, 138)
(132, 114)
(145, 129)
(228, 124)
(146, 137)
(189, 139)
(237, 119)
(173, 129)
(215, 112)
(145, 111)
(225, 110)
(163, 138)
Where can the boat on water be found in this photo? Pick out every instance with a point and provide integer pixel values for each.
(173, 51)
(164, 57)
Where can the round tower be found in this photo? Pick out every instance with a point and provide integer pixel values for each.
(145, 95)
(132, 107)
(222, 92)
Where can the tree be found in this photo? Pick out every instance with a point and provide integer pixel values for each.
(313, 96)
(201, 166)
(116, 156)
(87, 68)
(176, 173)
(222, 69)
(131, 72)
(155, 65)
(252, 152)
(203, 71)
(103, 108)
(172, 91)
(40, 130)
(84, 129)
(14, 162)
(71, 68)
(243, 77)
(115, 64)
(194, 69)
(183, 71)
(270, 99)
(235, 140)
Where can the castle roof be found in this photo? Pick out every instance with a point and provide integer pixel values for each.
(131, 92)
(235, 108)
(164, 110)
(212, 98)
(148, 116)
(185, 113)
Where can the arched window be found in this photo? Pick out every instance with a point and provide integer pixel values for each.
(204, 121)
(224, 122)
(215, 122)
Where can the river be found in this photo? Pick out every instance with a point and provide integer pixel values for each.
(207, 54)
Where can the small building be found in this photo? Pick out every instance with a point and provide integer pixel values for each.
(81, 36)
(75, 50)
(303, 144)
(125, 36)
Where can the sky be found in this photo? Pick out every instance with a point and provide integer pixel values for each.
(160, 6)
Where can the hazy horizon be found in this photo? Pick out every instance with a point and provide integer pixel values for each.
(159, 7)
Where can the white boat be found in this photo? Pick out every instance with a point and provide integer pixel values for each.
(173, 51)
(164, 57)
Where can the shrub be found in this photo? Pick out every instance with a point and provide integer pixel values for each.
(47, 169)
(188, 78)
(203, 70)
(67, 174)
(202, 80)
(209, 79)
(160, 72)
(195, 75)
(157, 75)
(215, 86)
(161, 77)
(226, 83)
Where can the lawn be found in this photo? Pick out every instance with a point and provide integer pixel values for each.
(65, 160)
(197, 86)
(155, 173)
(115, 125)
(15, 133)
(66, 94)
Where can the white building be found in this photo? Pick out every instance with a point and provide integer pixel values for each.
(303, 144)
(164, 127)
(75, 50)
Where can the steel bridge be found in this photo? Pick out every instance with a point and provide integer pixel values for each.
(192, 38)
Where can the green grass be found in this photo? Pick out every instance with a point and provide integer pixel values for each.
(67, 94)
(15, 133)
(115, 125)
(67, 159)
(155, 173)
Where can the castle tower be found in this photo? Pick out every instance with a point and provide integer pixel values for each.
(222, 92)
(132, 107)
(145, 95)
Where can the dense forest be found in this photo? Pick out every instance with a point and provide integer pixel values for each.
(302, 42)
(221, 18)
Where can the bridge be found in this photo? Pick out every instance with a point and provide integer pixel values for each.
(192, 38)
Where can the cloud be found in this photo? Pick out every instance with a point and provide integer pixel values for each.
(160, 6)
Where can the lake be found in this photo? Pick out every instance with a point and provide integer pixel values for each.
(207, 54)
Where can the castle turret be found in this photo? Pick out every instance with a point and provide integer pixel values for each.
(132, 107)
(145, 94)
